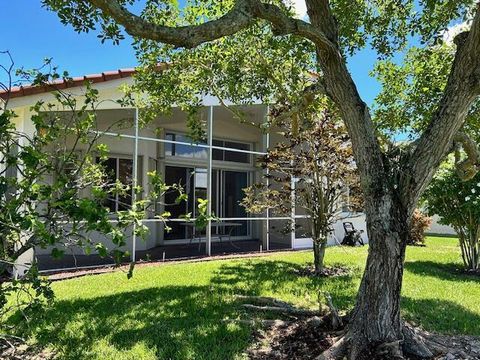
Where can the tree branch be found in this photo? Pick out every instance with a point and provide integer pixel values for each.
(238, 18)
(307, 97)
(467, 168)
(341, 88)
(241, 16)
(463, 87)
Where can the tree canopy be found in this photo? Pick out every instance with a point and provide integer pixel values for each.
(242, 50)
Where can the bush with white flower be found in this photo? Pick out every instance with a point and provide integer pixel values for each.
(457, 203)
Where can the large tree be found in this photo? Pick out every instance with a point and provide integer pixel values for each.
(335, 29)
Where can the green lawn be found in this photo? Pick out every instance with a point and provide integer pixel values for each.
(175, 311)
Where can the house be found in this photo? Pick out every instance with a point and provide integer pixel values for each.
(217, 170)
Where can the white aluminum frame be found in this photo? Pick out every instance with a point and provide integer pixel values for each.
(210, 147)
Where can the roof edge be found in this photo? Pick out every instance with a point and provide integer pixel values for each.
(21, 91)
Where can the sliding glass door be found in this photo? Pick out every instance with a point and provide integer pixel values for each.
(227, 193)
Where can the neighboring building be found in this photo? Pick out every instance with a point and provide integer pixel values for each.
(217, 170)
(438, 229)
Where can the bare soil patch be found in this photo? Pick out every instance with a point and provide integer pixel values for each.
(16, 349)
(328, 271)
(306, 340)
(300, 340)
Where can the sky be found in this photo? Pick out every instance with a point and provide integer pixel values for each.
(31, 34)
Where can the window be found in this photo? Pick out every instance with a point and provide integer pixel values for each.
(237, 156)
(190, 151)
(187, 151)
(195, 152)
(120, 169)
(217, 154)
(233, 156)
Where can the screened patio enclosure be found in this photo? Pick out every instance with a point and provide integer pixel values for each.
(217, 169)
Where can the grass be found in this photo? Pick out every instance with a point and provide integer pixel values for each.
(175, 311)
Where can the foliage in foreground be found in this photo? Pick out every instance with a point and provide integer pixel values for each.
(54, 189)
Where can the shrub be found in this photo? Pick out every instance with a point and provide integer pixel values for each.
(420, 224)
(457, 203)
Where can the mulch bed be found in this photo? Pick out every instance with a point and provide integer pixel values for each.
(460, 346)
(328, 271)
(473, 273)
(306, 341)
(300, 340)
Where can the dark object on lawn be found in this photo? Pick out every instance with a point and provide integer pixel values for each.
(352, 235)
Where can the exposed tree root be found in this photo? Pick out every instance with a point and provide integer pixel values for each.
(414, 344)
(336, 320)
(337, 351)
(268, 304)
(8, 336)
(262, 300)
(15, 348)
(289, 311)
(260, 322)
(391, 350)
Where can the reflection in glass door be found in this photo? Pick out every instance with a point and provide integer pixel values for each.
(227, 193)
(177, 175)
(233, 184)
(200, 188)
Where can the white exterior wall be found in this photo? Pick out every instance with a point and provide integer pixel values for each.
(440, 229)
(336, 237)
(120, 147)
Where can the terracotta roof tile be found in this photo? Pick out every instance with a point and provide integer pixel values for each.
(19, 91)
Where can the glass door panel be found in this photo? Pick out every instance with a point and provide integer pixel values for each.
(177, 175)
(227, 193)
(233, 184)
(125, 173)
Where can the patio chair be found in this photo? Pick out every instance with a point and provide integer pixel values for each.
(352, 236)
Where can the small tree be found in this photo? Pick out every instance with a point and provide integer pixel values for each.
(457, 203)
(317, 157)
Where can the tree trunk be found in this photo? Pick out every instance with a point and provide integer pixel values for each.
(470, 247)
(376, 318)
(319, 248)
(474, 249)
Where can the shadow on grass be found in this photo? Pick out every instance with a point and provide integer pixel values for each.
(176, 322)
(171, 322)
(445, 271)
(280, 277)
(441, 316)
